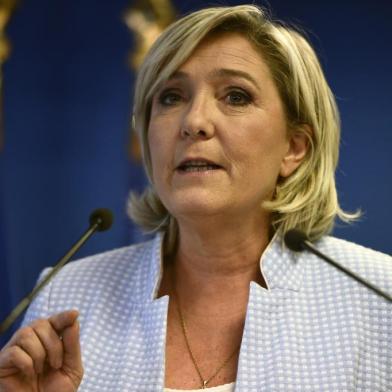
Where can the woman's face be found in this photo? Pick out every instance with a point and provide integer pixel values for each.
(218, 134)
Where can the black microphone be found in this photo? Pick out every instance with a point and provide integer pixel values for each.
(298, 241)
(100, 220)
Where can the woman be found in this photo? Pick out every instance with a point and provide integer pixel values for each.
(240, 135)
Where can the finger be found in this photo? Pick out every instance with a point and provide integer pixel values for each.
(72, 358)
(51, 342)
(63, 320)
(14, 359)
(27, 340)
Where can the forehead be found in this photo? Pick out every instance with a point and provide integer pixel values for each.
(228, 49)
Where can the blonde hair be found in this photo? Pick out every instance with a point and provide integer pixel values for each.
(307, 199)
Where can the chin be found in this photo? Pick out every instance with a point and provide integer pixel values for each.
(197, 207)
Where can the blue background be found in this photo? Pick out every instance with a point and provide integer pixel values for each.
(67, 104)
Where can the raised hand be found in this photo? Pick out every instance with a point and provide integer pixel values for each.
(43, 356)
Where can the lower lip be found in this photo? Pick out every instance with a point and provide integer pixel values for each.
(198, 173)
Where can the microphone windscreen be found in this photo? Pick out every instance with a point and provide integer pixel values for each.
(294, 240)
(103, 217)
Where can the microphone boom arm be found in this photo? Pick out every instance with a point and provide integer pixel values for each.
(99, 221)
(308, 245)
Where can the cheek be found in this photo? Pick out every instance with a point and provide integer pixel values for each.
(259, 154)
(161, 152)
(153, 144)
(156, 144)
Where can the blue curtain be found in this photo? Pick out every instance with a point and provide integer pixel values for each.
(67, 99)
(5, 299)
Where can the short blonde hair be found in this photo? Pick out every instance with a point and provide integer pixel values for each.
(307, 199)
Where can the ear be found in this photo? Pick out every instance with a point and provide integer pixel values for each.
(299, 140)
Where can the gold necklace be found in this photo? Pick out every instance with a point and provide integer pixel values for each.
(204, 381)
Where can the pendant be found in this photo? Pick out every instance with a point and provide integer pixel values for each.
(205, 384)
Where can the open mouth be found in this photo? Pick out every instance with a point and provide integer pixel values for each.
(192, 166)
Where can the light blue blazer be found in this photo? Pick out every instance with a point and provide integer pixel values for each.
(314, 329)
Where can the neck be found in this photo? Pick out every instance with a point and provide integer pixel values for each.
(213, 265)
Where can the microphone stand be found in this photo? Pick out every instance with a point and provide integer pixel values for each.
(97, 223)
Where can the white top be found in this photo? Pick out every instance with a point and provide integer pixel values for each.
(220, 388)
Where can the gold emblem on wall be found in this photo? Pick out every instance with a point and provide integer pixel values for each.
(146, 19)
(6, 9)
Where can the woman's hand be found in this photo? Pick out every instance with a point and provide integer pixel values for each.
(43, 356)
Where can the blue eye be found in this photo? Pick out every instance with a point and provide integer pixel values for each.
(169, 98)
(238, 98)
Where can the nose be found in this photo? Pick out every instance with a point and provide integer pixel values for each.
(198, 119)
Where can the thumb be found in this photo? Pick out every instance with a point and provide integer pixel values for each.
(72, 359)
(67, 326)
(63, 320)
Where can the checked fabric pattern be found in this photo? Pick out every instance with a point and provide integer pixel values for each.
(314, 329)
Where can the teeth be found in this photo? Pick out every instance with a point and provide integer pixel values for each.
(196, 165)
(198, 168)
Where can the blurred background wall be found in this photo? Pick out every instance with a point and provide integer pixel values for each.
(67, 98)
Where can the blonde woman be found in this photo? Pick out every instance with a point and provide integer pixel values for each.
(240, 135)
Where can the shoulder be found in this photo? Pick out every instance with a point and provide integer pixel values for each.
(110, 262)
(104, 281)
(354, 254)
(368, 263)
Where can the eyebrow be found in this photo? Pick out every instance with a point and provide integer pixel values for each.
(219, 73)
(225, 72)
(178, 75)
